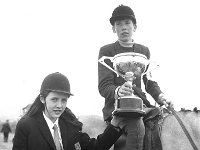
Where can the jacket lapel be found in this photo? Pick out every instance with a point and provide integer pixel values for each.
(44, 129)
(64, 133)
(68, 132)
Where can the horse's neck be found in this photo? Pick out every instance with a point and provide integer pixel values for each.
(172, 135)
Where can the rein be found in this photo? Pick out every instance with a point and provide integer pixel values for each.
(171, 110)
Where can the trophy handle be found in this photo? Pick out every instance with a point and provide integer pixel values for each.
(150, 69)
(101, 60)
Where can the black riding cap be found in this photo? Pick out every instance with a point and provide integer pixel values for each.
(56, 82)
(122, 12)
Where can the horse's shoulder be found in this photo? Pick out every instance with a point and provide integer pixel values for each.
(172, 130)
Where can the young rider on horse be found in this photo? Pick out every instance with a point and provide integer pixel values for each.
(110, 86)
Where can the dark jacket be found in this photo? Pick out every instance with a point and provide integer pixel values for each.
(6, 128)
(108, 80)
(32, 133)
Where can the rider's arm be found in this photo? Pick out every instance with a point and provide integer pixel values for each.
(106, 78)
(153, 89)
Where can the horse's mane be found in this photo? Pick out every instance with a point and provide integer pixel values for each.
(196, 110)
(183, 111)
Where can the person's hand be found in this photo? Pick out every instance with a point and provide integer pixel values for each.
(125, 89)
(118, 122)
(165, 101)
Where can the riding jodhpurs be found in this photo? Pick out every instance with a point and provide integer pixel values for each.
(135, 131)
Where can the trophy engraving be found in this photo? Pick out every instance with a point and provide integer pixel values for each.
(129, 66)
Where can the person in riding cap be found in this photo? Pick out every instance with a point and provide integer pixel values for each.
(50, 125)
(111, 86)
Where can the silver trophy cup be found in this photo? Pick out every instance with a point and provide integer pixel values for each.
(130, 66)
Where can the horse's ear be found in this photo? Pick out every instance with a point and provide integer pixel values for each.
(182, 109)
(196, 110)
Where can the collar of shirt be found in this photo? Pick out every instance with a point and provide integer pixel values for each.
(51, 124)
(126, 44)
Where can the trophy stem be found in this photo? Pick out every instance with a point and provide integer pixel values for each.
(129, 77)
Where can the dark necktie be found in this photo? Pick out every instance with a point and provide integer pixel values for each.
(57, 138)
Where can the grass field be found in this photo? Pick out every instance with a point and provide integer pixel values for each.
(8, 145)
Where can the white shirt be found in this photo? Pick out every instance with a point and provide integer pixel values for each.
(50, 125)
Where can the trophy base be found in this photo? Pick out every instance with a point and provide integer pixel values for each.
(129, 113)
(129, 106)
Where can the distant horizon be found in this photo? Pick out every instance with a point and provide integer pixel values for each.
(12, 118)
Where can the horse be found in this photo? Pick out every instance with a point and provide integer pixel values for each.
(172, 136)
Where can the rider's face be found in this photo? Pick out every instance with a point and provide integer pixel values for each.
(124, 29)
(55, 104)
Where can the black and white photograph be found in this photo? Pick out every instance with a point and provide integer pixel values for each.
(99, 75)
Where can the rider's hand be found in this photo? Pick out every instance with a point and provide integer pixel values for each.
(125, 89)
(118, 122)
(165, 101)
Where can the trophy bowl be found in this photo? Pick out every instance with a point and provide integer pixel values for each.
(129, 66)
(133, 63)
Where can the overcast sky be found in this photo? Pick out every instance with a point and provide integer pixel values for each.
(43, 36)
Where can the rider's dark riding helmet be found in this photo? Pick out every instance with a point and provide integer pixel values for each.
(56, 82)
(122, 12)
